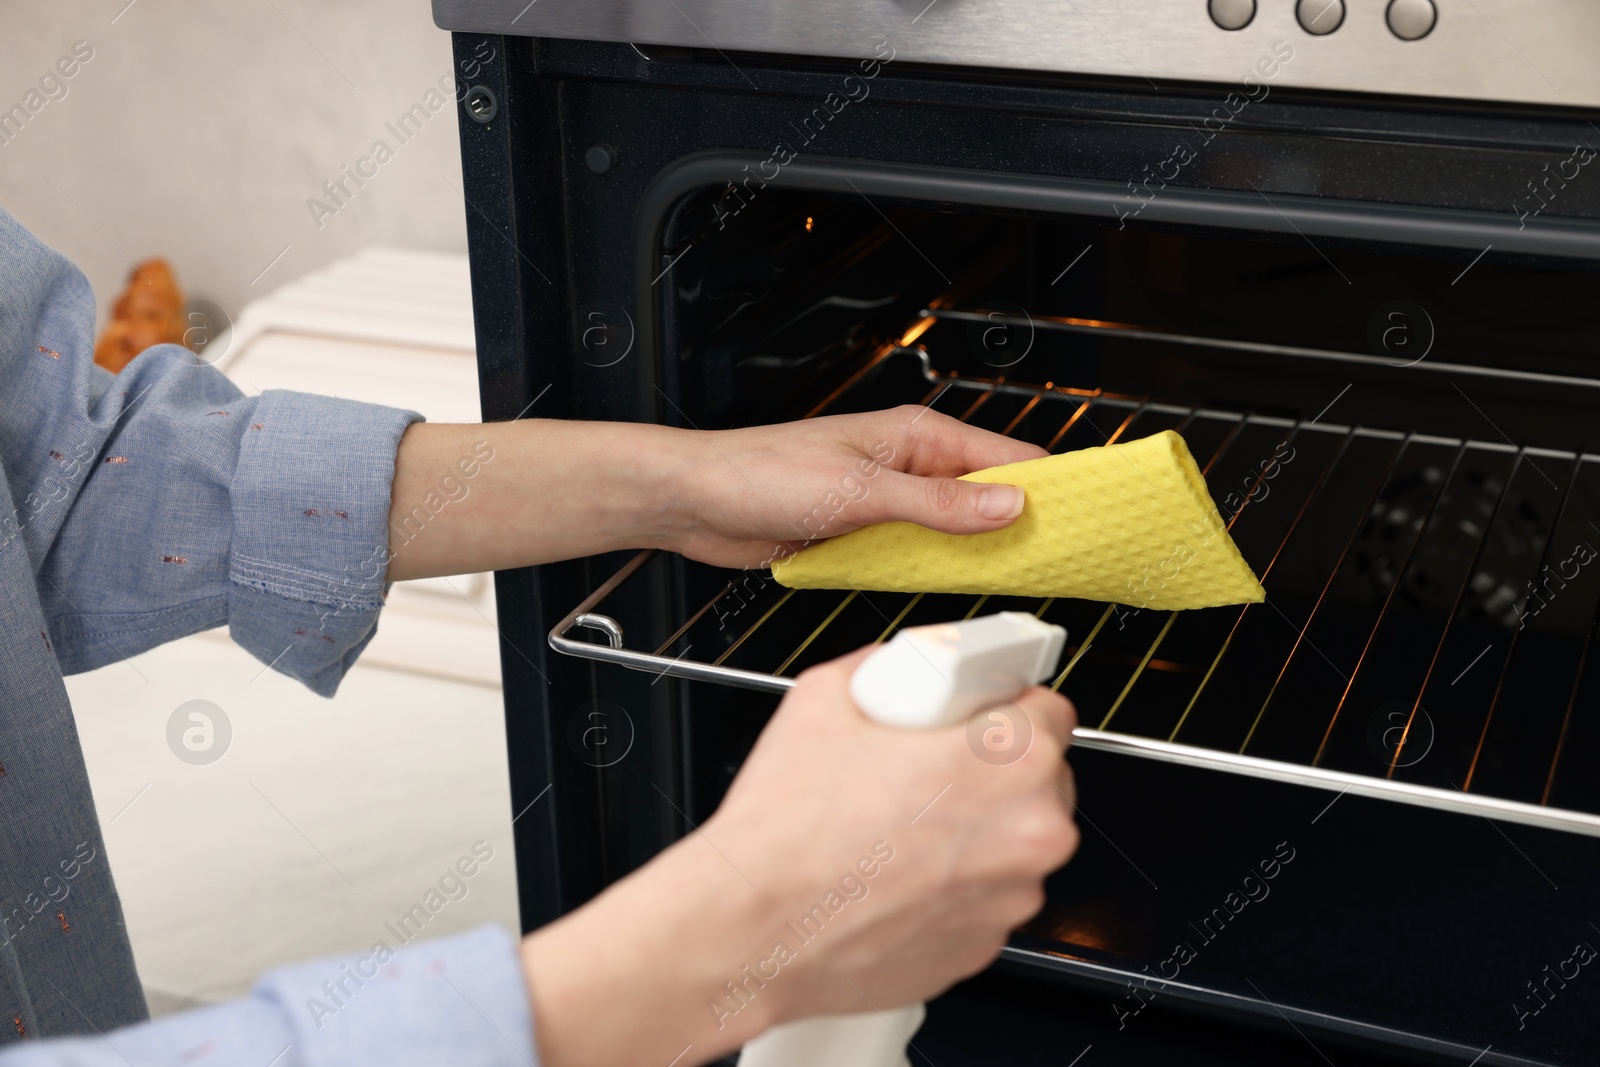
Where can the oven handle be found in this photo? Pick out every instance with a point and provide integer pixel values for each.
(614, 651)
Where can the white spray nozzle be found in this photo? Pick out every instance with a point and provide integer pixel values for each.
(935, 675)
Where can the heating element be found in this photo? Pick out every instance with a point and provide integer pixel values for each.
(1438, 528)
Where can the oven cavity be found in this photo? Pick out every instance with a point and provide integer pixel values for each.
(1402, 459)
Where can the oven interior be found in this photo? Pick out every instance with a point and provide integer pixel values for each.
(1397, 437)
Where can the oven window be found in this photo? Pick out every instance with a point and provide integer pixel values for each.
(1396, 437)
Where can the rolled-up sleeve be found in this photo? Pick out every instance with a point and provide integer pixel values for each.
(458, 1000)
(310, 514)
(163, 501)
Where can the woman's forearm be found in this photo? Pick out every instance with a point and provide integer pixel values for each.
(633, 978)
(472, 498)
(495, 496)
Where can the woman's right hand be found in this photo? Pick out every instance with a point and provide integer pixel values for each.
(971, 841)
(851, 867)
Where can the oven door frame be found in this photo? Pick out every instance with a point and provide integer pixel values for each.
(579, 826)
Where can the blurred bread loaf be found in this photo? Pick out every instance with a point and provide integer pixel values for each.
(145, 314)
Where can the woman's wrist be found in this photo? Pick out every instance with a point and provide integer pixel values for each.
(500, 495)
(662, 484)
(677, 933)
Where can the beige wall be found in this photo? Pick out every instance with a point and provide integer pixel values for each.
(199, 131)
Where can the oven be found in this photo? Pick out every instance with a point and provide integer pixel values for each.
(1348, 250)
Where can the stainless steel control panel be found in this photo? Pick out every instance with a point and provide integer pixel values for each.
(1526, 51)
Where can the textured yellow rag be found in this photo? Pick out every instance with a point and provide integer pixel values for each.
(1127, 524)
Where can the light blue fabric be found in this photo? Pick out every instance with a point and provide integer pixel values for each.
(133, 510)
(455, 1000)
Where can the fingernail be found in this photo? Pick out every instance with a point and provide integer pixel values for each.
(1000, 502)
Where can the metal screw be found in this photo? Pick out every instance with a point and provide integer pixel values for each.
(481, 104)
(600, 157)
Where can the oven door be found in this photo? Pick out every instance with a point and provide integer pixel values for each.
(1360, 809)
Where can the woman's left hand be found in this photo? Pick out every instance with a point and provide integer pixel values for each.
(758, 494)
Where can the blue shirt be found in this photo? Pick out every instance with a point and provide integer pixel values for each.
(137, 509)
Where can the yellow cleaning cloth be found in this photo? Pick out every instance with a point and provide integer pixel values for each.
(1127, 524)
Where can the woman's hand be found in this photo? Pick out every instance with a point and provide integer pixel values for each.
(758, 494)
(851, 866)
(971, 841)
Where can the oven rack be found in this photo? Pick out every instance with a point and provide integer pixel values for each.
(1327, 356)
(964, 396)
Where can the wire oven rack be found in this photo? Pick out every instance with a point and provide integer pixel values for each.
(1179, 723)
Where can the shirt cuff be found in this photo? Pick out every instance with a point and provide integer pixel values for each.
(458, 1000)
(250, 1033)
(310, 500)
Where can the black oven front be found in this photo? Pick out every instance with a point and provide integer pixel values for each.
(1359, 816)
